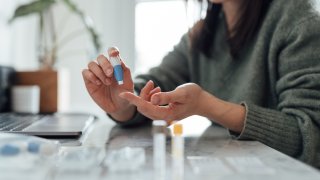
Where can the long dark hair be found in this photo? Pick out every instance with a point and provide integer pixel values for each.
(246, 27)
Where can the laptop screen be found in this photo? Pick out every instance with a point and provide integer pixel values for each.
(6, 81)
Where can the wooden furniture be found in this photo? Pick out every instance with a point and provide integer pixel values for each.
(47, 80)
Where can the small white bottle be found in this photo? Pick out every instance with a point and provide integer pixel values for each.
(159, 149)
(177, 152)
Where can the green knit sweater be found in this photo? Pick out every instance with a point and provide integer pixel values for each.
(276, 77)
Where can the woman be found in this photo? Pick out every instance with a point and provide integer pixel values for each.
(250, 66)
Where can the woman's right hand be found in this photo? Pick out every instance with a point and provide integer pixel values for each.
(104, 90)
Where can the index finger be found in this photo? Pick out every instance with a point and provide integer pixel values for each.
(105, 65)
(163, 98)
(146, 108)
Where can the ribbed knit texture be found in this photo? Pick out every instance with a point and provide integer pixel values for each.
(277, 76)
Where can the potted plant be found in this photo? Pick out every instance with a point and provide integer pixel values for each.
(49, 45)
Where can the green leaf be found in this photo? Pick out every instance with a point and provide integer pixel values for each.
(34, 7)
(86, 21)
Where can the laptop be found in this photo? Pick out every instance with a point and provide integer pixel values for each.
(64, 125)
(59, 125)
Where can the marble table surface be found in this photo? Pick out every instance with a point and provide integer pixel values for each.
(209, 153)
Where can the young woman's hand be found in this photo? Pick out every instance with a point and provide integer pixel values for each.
(180, 103)
(104, 90)
(186, 100)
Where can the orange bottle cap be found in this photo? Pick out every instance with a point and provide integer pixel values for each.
(177, 129)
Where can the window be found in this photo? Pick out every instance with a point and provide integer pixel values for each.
(159, 25)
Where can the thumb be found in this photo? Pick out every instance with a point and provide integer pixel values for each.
(127, 78)
(163, 98)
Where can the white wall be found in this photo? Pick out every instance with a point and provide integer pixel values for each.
(17, 46)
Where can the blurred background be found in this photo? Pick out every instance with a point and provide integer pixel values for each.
(143, 30)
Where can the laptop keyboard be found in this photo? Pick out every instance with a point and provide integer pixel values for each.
(17, 122)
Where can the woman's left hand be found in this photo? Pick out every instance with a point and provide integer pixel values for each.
(184, 101)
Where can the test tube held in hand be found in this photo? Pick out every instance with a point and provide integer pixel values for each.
(115, 61)
(159, 149)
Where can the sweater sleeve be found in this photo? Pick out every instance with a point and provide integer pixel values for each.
(294, 126)
(172, 72)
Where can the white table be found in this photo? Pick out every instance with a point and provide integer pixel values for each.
(210, 153)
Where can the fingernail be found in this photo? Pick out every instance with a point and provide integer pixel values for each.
(109, 72)
(121, 95)
(98, 82)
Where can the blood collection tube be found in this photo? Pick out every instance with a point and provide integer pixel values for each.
(177, 152)
(159, 148)
(115, 61)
